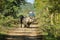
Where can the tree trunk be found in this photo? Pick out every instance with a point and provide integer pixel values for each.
(52, 19)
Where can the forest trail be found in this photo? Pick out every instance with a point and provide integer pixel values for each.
(31, 31)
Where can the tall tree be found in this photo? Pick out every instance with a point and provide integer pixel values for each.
(40, 6)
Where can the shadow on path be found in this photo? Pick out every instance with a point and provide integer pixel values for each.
(10, 37)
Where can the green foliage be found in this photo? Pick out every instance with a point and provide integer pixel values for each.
(10, 0)
(9, 11)
(54, 6)
(10, 7)
(44, 11)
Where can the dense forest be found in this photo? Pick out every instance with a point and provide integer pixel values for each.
(47, 12)
(49, 17)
